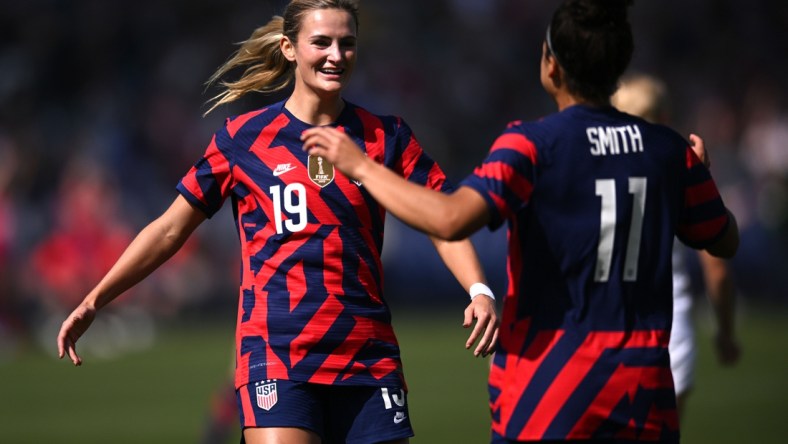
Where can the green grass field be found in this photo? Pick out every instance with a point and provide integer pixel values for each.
(161, 395)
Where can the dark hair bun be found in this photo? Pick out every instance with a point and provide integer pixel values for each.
(599, 13)
(592, 41)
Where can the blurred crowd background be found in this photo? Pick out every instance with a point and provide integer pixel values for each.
(101, 113)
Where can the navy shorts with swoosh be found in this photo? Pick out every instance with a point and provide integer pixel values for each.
(339, 414)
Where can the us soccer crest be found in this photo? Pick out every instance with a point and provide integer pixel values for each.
(320, 171)
(266, 394)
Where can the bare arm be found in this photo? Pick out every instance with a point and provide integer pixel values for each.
(728, 244)
(448, 217)
(156, 243)
(721, 294)
(461, 259)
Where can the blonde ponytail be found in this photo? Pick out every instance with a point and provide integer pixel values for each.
(267, 69)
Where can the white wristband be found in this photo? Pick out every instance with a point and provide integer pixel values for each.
(479, 288)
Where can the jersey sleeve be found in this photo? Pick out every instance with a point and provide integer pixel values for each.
(704, 217)
(506, 177)
(208, 183)
(415, 164)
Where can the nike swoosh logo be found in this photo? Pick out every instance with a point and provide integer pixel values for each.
(398, 419)
(283, 169)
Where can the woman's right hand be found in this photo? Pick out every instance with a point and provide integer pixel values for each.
(336, 147)
(72, 329)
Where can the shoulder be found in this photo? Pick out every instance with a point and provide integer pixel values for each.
(373, 120)
(253, 121)
(653, 130)
(671, 135)
(537, 133)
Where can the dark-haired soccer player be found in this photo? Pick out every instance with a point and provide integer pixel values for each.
(316, 359)
(593, 199)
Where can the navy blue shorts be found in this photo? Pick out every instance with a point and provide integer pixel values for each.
(339, 414)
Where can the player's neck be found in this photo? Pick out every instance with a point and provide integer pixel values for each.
(315, 110)
(564, 99)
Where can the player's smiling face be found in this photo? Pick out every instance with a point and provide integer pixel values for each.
(325, 52)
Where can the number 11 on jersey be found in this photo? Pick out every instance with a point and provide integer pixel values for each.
(606, 190)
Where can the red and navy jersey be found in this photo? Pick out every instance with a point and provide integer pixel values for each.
(310, 306)
(593, 199)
